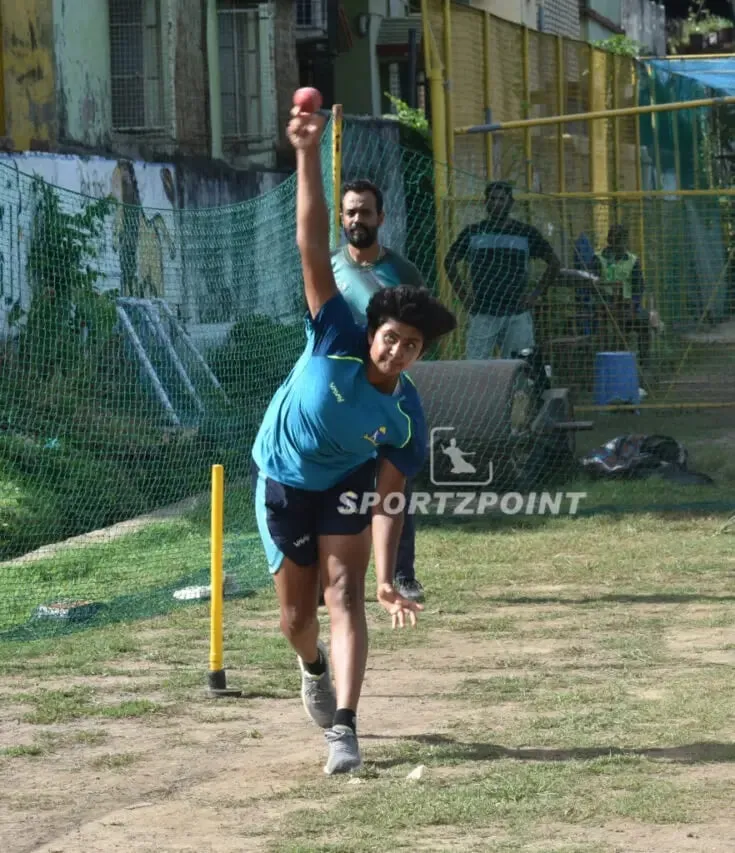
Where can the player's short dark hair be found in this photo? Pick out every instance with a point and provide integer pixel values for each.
(415, 306)
(363, 185)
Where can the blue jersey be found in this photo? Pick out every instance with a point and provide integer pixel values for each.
(358, 282)
(327, 419)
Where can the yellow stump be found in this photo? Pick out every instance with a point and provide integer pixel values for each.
(217, 679)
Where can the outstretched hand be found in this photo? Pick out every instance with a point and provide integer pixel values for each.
(398, 606)
(305, 129)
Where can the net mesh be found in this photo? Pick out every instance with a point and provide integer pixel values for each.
(128, 369)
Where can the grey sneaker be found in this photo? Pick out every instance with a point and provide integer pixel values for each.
(344, 751)
(317, 692)
(412, 590)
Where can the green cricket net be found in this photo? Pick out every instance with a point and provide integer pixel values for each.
(139, 347)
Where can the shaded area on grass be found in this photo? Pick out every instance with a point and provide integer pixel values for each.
(93, 572)
(447, 749)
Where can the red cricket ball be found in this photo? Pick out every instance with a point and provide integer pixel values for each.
(308, 99)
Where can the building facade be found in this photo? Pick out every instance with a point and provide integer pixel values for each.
(151, 78)
(384, 49)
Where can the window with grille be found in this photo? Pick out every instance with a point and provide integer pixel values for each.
(310, 14)
(136, 64)
(247, 78)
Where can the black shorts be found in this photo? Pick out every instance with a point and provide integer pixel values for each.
(290, 520)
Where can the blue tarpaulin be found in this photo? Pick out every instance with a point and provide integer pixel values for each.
(717, 74)
(682, 152)
(670, 81)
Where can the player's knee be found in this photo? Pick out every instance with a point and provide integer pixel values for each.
(345, 593)
(296, 620)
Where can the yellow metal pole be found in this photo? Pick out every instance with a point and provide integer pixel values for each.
(561, 104)
(616, 124)
(638, 153)
(695, 148)
(654, 129)
(527, 142)
(486, 54)
(639, 171)
(604, 114)
(439, 146)
(629, 195)
(336, 172)
(590, 124)
(217, 676)
(561, 157)
(661, 236)
(702, 56)
(677, 153)
(449, 121)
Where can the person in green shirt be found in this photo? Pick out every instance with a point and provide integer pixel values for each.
(362, 267)
(616, 263)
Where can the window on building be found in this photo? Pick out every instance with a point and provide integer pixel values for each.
(311, 13)
(136, 64)
(247, 79)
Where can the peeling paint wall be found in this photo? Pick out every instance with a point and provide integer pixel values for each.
(81, 46)
(287, 71)
(83, 86)
(196, 263)
(27, 43)
(191, 78)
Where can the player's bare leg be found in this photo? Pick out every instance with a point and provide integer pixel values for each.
(297, 588)
(343, 563)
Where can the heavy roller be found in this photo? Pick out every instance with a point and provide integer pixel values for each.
(512, 427)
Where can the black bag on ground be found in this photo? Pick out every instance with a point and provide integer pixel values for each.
(641, 456)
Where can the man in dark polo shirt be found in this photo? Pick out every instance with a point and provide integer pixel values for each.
(499, 250)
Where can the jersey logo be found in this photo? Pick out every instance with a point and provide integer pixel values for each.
(337, 396)
(374, 437)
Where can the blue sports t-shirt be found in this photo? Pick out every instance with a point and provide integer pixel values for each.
(358, 282)
(327, 419)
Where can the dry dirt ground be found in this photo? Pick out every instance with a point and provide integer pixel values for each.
(194, 782)
(204, 778)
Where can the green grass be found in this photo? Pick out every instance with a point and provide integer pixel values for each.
(9, 494)
(154, 557)
(582, 665)
(61, 706)
(515, 796)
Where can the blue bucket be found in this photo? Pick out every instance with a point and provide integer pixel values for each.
(616, 378)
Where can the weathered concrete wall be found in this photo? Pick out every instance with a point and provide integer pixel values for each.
(645, 21)
(82, 50)
(353, 69)
(27, 45)
(287, 72)
(83, 88)
(191, 78)
(209, 266)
